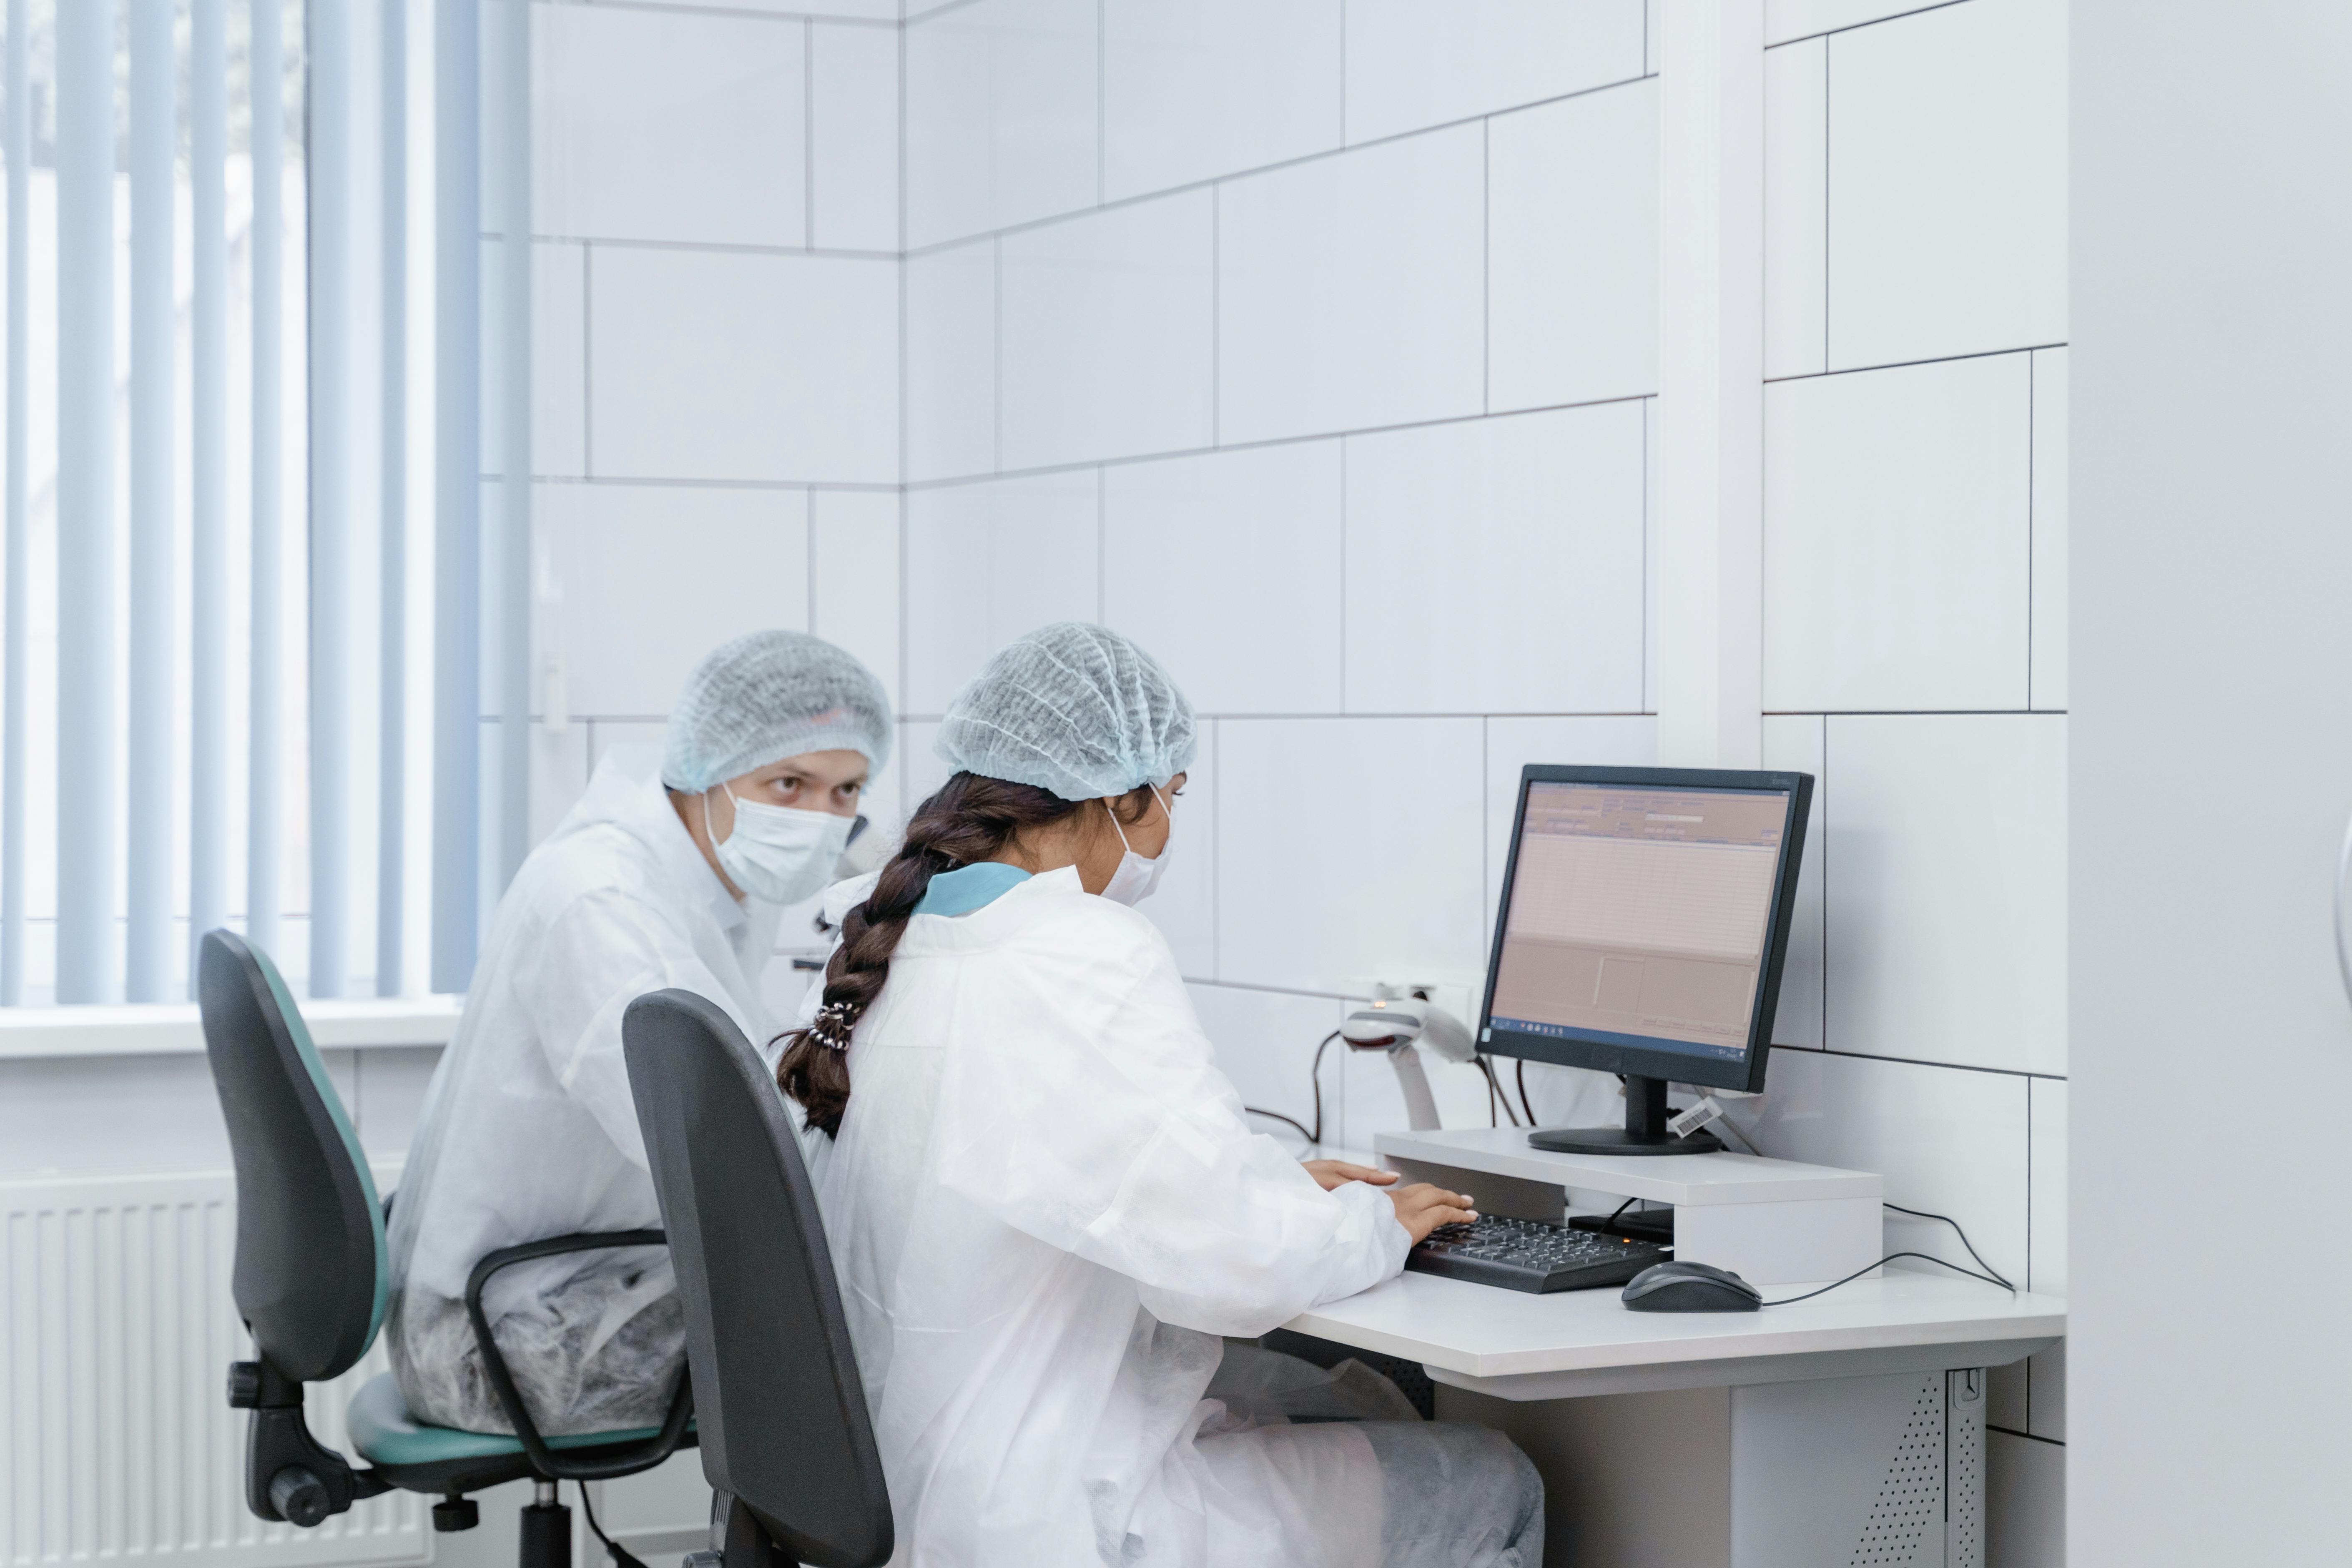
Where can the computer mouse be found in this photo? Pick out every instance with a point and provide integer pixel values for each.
(1690, 1287)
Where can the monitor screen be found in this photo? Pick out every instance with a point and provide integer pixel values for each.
(1640, 916)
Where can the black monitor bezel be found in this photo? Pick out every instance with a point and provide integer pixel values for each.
(1744, 1072)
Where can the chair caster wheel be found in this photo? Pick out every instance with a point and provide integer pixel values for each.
(454, 1513)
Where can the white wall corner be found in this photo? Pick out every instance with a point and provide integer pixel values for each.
(1711, 383)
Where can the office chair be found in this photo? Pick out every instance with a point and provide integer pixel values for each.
(312, 1278)
(785, 1441)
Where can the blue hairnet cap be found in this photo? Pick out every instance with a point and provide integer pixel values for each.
(1074, 709)
(767, 696)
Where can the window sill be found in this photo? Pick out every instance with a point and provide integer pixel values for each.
(171, 1029)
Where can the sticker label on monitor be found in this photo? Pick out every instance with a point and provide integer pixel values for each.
(1638, 916)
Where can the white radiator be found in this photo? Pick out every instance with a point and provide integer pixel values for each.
(116, 1439)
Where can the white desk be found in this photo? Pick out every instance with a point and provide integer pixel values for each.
(1788, 1437)
(1516, 1346)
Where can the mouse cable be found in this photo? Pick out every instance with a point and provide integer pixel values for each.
(1947, 1219)
(621, 1556)
(1314, 1075)
(1924, 1257)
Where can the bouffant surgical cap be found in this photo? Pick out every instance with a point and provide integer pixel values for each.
(1074, 709)
(771, 695)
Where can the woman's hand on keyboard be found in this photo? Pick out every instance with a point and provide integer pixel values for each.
(1332, 1173)
(1422, 1209)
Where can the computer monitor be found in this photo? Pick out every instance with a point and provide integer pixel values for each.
(1643, 919)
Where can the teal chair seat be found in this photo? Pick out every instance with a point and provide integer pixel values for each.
(386, 1434)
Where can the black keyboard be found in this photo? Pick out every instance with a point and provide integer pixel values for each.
(1529, 1254)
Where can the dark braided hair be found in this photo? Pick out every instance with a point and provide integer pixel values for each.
(971, 819)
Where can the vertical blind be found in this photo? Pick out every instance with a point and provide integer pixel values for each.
(252, 624)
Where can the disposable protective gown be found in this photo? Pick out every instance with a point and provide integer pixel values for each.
(528, 1129)
(1045, 1208)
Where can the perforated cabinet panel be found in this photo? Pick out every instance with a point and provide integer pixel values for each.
(1907, 1518)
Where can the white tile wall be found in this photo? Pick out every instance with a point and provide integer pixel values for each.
(388, 1090)
(986, 562)
(1947, 1143)
(854, 138)
(1572, 251)
(951, 381)
(722, 365)
(2025, 1501)
(1227, 567)
(853, 577)
(1410, 64)
(1327, 880)
(1948, 182)
(1797, 743)
(680, 569)
(119, 1114)
(603, 734)
(1001, 116)
(1495, 565)
(1946, 888)
(2047, 1264)
(1351, 289)
(2050, 469)
(1213, 87)
(1796, 209)
(1184, 907)
(1266, 1043)
(864, 10)
(1896, 537)
(559, 348)
(1786, 19)
(1108, 333)
(920, 771)
(683, 126)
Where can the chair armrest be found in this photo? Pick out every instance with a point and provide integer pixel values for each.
(625, 1461)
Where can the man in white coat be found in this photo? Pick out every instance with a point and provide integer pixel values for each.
(672, 870)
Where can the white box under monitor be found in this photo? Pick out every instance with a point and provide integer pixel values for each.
(1772, 1222)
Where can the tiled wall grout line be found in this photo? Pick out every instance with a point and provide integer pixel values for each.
(1912, 363)
(932, 247)
(955, 480)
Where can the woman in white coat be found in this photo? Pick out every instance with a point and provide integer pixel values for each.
(671, 871)
(1046, 1205)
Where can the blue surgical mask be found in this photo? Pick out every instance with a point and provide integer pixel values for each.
(779, 854)
(1137, 877)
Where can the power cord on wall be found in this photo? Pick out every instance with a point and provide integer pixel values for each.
(1315, 1077)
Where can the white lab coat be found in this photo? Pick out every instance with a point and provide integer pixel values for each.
(1046, 1208)
(528, 1129)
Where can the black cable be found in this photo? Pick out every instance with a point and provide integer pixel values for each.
(1629, 1203)
(1314, 1077)
(1495, 1092)
(621, 1556)
(1890, 1258)
(1524, 1103)
(1288, 1120)
(1947, 1219)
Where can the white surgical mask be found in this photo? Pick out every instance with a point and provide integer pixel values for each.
(778, 853)
(1137, 877)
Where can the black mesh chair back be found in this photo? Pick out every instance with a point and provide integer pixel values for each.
(777, 1394)
(311, 1277)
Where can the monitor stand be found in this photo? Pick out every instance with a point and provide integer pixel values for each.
(1644, 1132)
